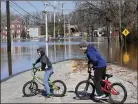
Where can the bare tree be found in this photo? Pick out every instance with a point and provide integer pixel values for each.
(102, 12)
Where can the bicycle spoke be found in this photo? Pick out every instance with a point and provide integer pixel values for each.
(85, 90)
(57, 88)
(117, 93)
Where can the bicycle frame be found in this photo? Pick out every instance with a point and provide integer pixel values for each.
(110, 90)
(107, 87)
(40, 80)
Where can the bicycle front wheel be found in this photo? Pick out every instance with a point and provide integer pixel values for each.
(30, 88)
(118, 93)
(84, 90)
(59, 88)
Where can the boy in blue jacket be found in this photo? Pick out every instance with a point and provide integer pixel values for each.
(99, 66)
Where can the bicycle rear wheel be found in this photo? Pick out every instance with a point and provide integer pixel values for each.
(84, 90)
(118, 93)
(30, 88)
(58, 88)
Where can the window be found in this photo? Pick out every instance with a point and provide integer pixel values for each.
(12, 31)
(18, 31)
(12, 26)
(18, 26)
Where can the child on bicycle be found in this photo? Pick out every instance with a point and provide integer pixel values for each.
(45, 66)
(99, 66)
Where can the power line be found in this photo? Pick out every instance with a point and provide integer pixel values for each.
(25, 11)
(49, 4)
(18, 12)
(32, 5)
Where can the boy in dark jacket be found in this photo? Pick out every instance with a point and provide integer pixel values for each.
(99, 66)
(48, 71)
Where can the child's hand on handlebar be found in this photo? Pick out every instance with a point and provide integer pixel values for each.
(33, 64)
(39, 69)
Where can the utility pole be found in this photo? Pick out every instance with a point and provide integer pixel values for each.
(45, 4)
(58, 17)
(9, 39)
(54, 19)
(64, 27)
(1, 26)
(62, 18)
(54, 23)
(69, 25)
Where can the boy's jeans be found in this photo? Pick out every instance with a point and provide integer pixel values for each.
(47, 75)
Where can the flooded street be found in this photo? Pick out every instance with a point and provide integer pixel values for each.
(24, 53)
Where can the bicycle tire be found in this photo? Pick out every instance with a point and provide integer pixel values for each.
(124, 97)
(32, 93)
(77, 92)
(64, 88)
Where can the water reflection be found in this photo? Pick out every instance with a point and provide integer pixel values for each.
(24, 53)
(126, 56)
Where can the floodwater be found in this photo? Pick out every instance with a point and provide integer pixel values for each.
(24, 53)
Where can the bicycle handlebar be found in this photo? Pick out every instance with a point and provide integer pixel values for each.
(35, 69)
(89, 68)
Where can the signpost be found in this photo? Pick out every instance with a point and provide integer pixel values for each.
(126, 56)
(125, 33)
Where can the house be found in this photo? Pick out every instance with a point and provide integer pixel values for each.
(3, 30)
(34, 31)
(16, 29)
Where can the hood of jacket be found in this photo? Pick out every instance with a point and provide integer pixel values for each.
(42, 51)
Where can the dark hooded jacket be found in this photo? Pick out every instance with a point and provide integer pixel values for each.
(43, 59)
(94, 57)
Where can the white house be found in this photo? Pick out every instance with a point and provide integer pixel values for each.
(34, 31)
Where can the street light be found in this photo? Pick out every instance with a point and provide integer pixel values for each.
(48, 4)
(45, 4)
(58, 26)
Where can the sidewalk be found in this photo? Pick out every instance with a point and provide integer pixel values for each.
(11, 90)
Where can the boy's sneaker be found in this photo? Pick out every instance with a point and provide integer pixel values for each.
(48, 95)
(101, 96)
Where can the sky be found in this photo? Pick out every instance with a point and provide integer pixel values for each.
(68, 6)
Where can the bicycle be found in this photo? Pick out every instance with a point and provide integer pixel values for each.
(109, 89)
(33, 86)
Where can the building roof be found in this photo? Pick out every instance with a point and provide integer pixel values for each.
(15, 21)
(34, 26)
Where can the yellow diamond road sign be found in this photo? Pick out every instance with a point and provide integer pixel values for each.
(125, 32)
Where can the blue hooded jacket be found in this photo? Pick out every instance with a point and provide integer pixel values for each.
(95, 58)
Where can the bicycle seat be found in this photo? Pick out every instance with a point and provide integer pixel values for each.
(108, 75)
